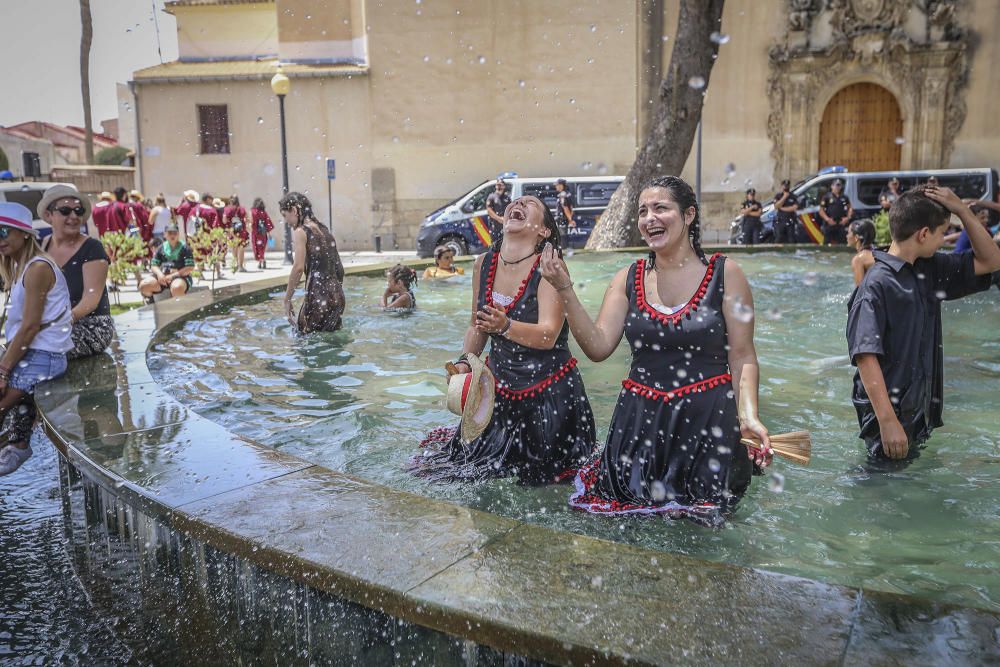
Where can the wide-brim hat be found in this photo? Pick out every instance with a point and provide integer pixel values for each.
(471, 396)
(61, 191)
(218, 203)
(16, 216)
(191, 196)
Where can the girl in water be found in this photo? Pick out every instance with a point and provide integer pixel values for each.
(861, 235)
(542, 427)
(398, 293)
(315, 254)
(673, 447)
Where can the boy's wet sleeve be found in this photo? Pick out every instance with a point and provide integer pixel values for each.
(955, 275)
(866, 325)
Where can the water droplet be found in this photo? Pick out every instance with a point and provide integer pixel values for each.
(593, 28)
(941, 295)
(260, 120)
(658, 491)
(714, 465)
(482, 60)
(730, 170)
(597, 581)
(395, 139)
(520, 83)
(810, 279)
(719, 37)
(776, 482)
(743, 312)
(697, 82)
(427, 59)
(572, 100)
(717, 432)
(773, 314)
(586, 165)
(900, 141)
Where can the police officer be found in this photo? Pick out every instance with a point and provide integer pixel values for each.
(496, 205)
(750, 226)
(786, 205)
(564, 211)
(835, 209)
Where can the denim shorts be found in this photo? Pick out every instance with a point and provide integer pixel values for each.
(36, 366)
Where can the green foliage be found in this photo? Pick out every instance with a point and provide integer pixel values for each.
(883, 236)
(112, 156)
(125, 253)
(209, 247)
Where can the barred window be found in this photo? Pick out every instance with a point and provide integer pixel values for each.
(213, 128)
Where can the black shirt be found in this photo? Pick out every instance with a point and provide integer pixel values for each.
(564, 200)
(785, 216)
(753, 205)
(498, 201)
(170, 260)
(895, 313)
(836, 206)
(92, 250)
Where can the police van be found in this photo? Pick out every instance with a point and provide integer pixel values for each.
(464, 224)
(28, 194)
(863, 190)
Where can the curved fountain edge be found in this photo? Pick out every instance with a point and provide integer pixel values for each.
(538, 592)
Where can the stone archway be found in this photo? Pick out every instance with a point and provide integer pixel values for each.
(861, 129)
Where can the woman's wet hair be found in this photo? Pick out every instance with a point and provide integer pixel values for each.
(865, 231)
(258, 204)
(403, 274)
(548, 220)
(684, 197)
(442, 249)
(297, 200)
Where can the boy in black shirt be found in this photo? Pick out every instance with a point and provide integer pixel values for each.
(172, 267)
(894, 320)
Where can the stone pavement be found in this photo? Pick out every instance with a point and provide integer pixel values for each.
(130, 295)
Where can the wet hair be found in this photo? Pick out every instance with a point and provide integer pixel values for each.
(258, 204)
(234, 201)
(549, 221)
(684, 196)
(865, 231)
(297, 200)
(403, 274)
(121, 194)
(913, 211)
(440, 250)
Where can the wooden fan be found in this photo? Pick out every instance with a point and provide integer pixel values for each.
(795, 446)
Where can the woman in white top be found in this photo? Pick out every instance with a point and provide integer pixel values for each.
(161, 217)
(39, 322)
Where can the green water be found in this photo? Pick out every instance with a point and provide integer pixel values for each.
(359, 401)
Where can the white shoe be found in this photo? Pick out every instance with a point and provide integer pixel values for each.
(11, 458)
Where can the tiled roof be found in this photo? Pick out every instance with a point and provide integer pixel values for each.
(199, 3)
(230, 70)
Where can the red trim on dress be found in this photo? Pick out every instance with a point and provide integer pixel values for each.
(649, 392)
(491, 275)
(538, 387)
(686, 309)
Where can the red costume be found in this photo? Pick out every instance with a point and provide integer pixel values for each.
(235, 219)
(184, 209)
(208, 214)
(102, 214)
(121, 214)
(261, 226)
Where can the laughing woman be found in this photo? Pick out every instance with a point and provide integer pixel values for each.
(542, 427)
(673, 446)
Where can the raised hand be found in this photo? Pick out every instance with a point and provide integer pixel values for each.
(946, 197)
(554, 269)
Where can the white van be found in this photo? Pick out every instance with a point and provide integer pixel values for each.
(465, 225)
(28, 194)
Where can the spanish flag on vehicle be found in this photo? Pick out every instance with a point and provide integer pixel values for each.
(812, 228)
(482, 230)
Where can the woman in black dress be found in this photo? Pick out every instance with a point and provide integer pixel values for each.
(542, 427)
(673, 446)
(315, 254)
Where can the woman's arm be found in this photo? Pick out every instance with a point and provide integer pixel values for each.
(95, 275)
(737, 308)
(38, 280)
(338, 266)
(400, 301)
(298, 267)
(858, 268)
(474, 341)
(599, 339)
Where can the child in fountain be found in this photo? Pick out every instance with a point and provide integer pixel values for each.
(894, 320)
(398, 293)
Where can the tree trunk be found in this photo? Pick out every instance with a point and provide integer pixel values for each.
(675, 120)
(86, 37)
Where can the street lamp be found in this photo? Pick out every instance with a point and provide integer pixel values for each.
(280, 84)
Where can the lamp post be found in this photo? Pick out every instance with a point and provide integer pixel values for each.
(280, 85)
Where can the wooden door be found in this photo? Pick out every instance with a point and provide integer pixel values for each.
(860, 128)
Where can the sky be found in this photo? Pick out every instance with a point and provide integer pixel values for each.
(40, 52)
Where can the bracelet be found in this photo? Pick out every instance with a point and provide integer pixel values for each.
(506, 330)
(564, 287)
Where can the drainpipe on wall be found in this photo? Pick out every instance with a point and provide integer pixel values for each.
(134, 89)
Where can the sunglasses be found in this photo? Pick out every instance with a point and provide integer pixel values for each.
(66, 210)
(5, 232)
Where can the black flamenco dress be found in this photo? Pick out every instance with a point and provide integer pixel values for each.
(674, 443)
(542, 428)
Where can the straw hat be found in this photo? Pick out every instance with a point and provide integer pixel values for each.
(61, 191)
(135, 194)
(191, 196)
(218, 203)
(471, 395)
(106, 196)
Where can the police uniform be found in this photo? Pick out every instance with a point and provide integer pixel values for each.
(784, 222)
(836, 207)
(498, 201)
(750, 227)
(564, 200)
